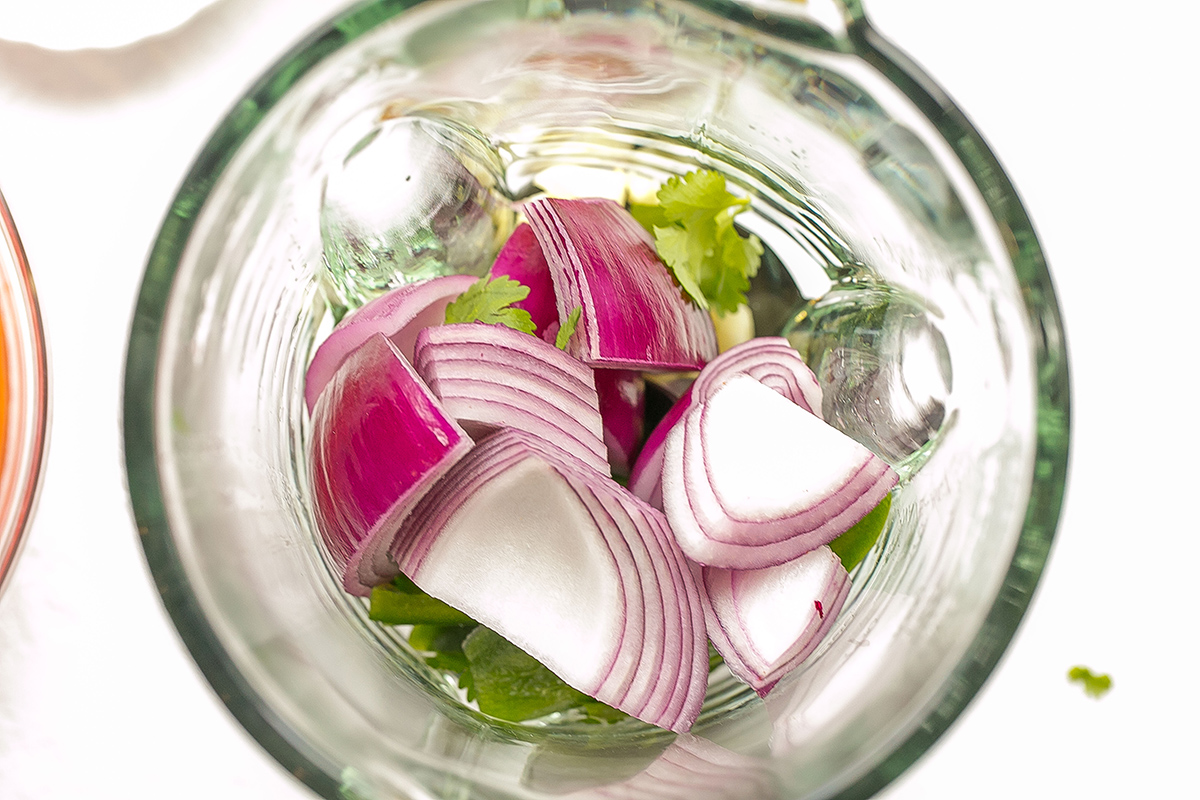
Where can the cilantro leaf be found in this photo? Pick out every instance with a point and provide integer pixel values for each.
(490, 301)
(697, 197)
(852, 546)
(1093, 685)
(510, 684)
(568, 328)
(675, 248)
(695, 236)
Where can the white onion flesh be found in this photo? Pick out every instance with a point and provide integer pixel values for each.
(765, 622)
(751, 480)
(559, 559)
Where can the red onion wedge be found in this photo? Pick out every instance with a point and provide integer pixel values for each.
(399, 314)
(522, 259)
(567, 565)
(622, 395)
(750, 479)
(603, 261)
(759, 643)
(489, 377)
(770, 360)
(379, 441)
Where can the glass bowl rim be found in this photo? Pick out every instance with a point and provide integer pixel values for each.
(32, 380)
(1052, 386)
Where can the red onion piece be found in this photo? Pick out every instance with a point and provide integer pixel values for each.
(633, 315)
(399, 314)
(622, 396)
(759, 642)
(769, 359)
(489, 377)
(645, 479)
(751, 480)
(522, 259)
(379, 441)
(565, 584)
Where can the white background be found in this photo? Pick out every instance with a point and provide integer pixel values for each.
(1091, 106)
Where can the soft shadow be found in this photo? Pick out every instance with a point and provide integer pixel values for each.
(75, 77)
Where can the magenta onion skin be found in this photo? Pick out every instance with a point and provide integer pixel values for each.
(633, 315)
(645, 479)
(622, 398)
(380, 440)
(751, 480)
(490, 377)
(765, 622)
(769, 359)
(522, 260)
(565, 584)
(400, 314)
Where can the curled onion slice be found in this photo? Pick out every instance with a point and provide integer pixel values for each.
(522, 260)
(379, 441)
(565, 583)
(399, 314)
(769, 359)
(489, 377)
(633, 315)
(744, 611)
(751, 480)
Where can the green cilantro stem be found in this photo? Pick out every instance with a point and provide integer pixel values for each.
(395, 607)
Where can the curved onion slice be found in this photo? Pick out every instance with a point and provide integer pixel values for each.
(770, 360)
(645, 479)
(399, 314)
(489, 377)
(522, 260)
(380, 440)
(566, 583)
(751, 480)
(742, 607)
(633, 315)
(622, 396)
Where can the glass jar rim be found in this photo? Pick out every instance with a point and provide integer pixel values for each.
(1052, 388)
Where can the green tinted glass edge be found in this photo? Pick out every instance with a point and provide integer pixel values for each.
(1053, 397)
(138, 419)
(1053, 402)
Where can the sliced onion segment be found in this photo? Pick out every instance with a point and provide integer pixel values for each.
(771, 360)
(751, 480)
(633, 315)
(363, 483)
(746, 622)
(399, 314)
(489, 377)
(564, 583)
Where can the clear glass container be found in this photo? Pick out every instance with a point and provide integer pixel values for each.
(902, 266)
(24, 395)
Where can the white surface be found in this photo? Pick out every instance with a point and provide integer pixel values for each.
(73, 24)
(1089, 106)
